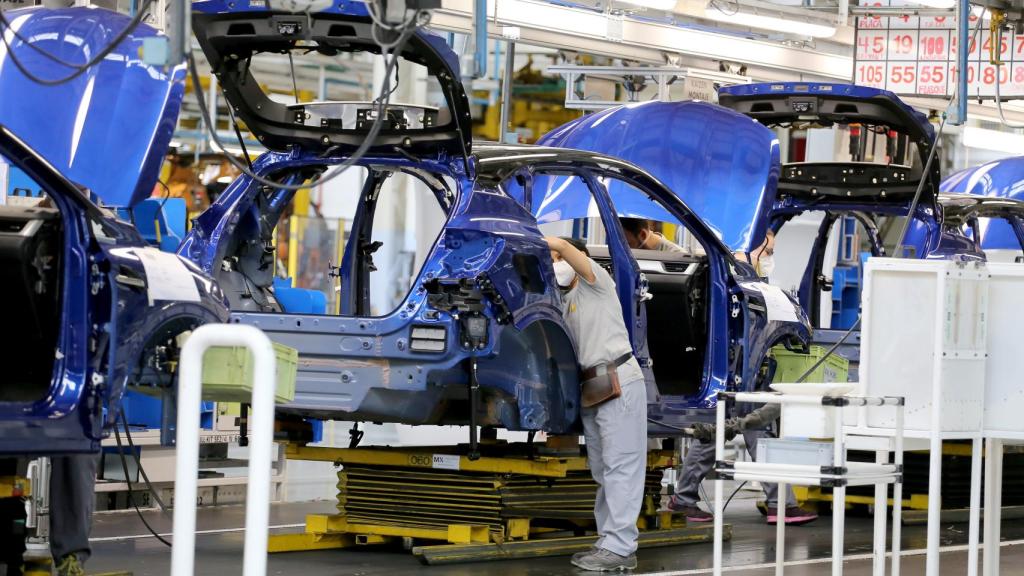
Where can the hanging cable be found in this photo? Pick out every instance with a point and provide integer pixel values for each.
(382, 103)
(79, 69)
(131, 495)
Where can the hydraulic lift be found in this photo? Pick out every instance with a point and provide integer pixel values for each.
(516, 500)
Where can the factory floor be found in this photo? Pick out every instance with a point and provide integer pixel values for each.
(120, 542)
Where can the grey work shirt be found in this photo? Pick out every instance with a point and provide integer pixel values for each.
(665, 245)
(594, 317)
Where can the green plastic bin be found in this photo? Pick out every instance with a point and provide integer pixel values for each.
(791, 365)
(227, 374)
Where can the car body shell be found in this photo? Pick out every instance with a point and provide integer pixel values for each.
(121, 111)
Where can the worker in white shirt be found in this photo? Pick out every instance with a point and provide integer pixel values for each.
(613, 404)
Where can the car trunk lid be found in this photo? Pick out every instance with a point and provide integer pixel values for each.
(231, 33)
(822, 105)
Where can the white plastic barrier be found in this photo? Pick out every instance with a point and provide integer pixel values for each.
(261, 446)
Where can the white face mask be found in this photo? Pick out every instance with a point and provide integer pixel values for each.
(564, 273)
(765, 265)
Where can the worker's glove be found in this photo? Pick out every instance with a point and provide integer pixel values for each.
(706, 432)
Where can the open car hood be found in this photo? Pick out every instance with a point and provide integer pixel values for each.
(231, 32)
(109, 128)
(722, 165)
(823, 104)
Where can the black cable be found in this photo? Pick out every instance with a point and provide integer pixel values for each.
(241, 141)
(382, 103)
(138, 462)
(131, 496)
(79, 68)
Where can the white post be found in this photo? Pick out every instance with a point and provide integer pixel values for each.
(838, 493)
(975, 513)
(897, 493)
(257, 507)
(993, 504)
(880, 512)
(719, 488)
(780, 528)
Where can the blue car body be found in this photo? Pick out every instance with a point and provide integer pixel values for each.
(996, 192)
(713, 171)
(486, 294)
(85, 322)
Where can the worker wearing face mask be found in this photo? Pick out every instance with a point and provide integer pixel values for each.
(613, 403)
(639, 235)
(700, 458)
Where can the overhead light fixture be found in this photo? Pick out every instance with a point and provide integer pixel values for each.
(994, 140)
(654, 4)
(765, 22)
(943, 4)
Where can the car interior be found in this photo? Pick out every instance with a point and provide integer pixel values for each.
(677, 316)
(31, 248)
(370, 241)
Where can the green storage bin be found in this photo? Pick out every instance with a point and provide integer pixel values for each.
(227, 374)
(791, 365)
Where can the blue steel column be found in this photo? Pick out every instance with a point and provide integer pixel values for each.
(963, 21)
(479, 38)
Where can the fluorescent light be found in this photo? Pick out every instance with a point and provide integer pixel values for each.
(944, 4)
(776, 23)
(995, 140)
(655, 4)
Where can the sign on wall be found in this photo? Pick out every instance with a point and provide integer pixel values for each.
(916, 55)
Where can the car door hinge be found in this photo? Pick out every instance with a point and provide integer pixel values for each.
(734, 308)
(96, 279)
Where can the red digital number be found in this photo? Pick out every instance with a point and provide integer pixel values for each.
(933, 74)
(933, 45)
(901, 74)
(870, 74)
(903, 44)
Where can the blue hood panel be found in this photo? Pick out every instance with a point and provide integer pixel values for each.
(723, 165)
(107, 129)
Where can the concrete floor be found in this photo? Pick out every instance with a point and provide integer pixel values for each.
(119, 544)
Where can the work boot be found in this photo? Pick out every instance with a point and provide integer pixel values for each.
(605, 561)
(593, 548)
(795, 516)
(692, 513)
(70, 566)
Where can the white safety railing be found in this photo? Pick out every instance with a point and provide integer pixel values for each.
(261, 446)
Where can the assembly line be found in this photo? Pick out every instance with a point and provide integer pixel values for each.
(522, 286)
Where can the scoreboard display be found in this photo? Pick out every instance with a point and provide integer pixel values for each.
(917, 55)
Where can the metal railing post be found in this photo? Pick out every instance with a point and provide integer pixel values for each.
(257, 506)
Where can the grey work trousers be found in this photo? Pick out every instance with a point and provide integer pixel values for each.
(700, 459)
(616, 437)
(72, 500)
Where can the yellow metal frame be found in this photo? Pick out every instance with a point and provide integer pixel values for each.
(546, 466)
(814, 494)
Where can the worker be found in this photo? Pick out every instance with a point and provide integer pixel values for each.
(615, 424)
(72, 499)
(700, 458)
(639, 235)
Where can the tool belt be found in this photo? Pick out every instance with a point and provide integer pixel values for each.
(601, 383)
